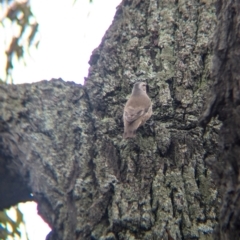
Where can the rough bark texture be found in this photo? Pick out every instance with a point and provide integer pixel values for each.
(64, 143)
(225, 102)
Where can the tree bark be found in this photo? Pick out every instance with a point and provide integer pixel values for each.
(61, 143)
(225, 102)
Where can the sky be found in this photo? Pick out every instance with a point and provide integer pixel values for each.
(68, 35)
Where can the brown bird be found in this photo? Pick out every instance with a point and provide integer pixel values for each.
(137, 111)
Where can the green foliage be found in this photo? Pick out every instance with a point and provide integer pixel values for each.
(9, 227)
(19, 14)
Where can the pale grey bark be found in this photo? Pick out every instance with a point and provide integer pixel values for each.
(65, 140)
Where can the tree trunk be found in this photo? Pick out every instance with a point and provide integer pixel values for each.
(61, 143)
(225, 102)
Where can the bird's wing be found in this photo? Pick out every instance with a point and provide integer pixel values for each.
(131, 114)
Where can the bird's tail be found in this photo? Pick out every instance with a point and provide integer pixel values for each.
(129, 134)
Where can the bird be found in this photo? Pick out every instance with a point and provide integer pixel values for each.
(137, 110)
